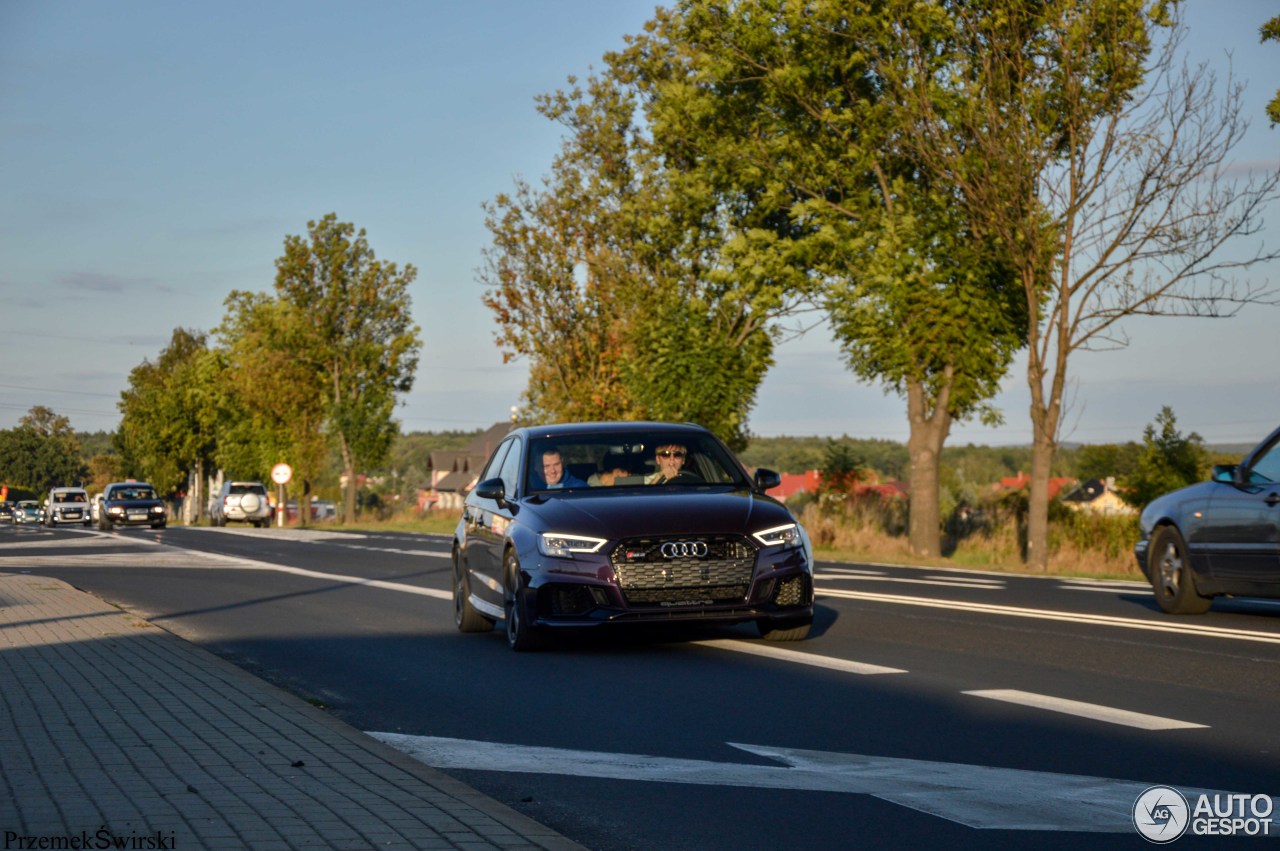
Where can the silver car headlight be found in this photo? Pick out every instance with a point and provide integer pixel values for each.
(779, 536)
(564, 546)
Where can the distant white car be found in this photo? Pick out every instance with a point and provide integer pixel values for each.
(67, 505)
(243, 502)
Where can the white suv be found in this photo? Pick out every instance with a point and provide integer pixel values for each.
(242, 501)
(67, 505)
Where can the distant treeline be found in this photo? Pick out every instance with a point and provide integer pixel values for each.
(968, 465)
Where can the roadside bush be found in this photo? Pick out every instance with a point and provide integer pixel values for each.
(990, 535)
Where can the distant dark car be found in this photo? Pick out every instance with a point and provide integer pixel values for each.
(1217, 537)
(6, 510)
(131, 504)
(27, 511)
(574, 526)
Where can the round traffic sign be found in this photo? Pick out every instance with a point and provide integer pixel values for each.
(281, 474)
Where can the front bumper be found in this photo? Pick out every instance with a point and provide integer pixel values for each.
(581, 592)
(70, 515)
(136, 516)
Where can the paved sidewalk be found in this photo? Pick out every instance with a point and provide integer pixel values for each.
(115, 733)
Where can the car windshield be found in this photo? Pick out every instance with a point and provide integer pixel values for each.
(133, 493)
(629, 459)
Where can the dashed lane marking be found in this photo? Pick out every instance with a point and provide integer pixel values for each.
(1183, 628)
(1080, 709)
(797, 658)
(984, 584)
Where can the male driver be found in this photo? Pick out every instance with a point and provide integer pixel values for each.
(670, 458)
(554, 474)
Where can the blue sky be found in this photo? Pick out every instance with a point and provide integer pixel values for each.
(154, 155)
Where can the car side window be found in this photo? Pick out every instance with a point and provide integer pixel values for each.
(1266, 468)
(510, 471)
(495, 462)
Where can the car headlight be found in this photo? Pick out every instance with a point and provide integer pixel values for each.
(157, 509)
(779, 536)
(564, 546)
(115, 509)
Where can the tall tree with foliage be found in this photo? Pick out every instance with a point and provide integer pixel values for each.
(347, 317)
(272, 405)
(1080, 143)
(620, 282)
(1166, 462)
(782, 108)
(41, 453)
(1270, 31)
(167, 427)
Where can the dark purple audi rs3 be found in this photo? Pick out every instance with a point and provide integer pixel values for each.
(574, 526)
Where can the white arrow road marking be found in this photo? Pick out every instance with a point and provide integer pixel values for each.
(974, 795)
(1086, 710)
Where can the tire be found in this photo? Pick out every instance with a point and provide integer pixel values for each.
(522, 636)
(465, 616)
(104, 525)
(157, 525)
(1171, 576)
(785, 630)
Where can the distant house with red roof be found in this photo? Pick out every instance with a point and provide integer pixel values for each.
(455, 473)
(810, 482)
(1022, 480)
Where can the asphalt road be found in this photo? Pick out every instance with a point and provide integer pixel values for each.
(930, 707)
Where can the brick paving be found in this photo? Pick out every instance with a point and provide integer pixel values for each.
(115, 731)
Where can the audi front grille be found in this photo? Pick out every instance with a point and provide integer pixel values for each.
(687, 570)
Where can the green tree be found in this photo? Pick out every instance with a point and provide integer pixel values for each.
(1167, 461)
(1270, 31)
(346, 315)
(622, 279)
(1106, 460)
(783, 108)
(167, 428)
(41, 452)
(1079, 143)
(272, 403)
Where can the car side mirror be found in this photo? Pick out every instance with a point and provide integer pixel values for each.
(767, 479)
(492, 489)
(1226, 473)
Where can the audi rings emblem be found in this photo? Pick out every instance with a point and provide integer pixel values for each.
(684, 549)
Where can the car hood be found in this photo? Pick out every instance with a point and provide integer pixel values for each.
(626, 512)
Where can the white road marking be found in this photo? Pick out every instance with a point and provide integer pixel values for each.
(796, 657)
(978, 796)
(985, 584)
(1069, 617)
(1086, 710)
(166, 555)
(285, 534)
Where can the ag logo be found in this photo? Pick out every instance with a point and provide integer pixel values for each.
(1161, 814)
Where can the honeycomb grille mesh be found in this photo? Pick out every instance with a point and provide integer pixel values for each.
(646, 576)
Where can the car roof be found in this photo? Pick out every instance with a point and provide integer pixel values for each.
(600, 428)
